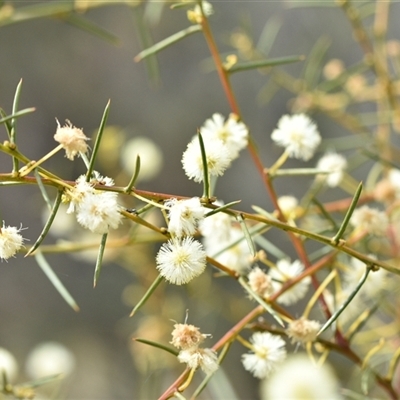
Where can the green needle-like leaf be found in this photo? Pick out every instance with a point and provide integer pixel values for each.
(99, 260)
(206, 182)
(49, 222)
(176, 37)
(134, 176)
(146, 296)
(157, 345)
(16, 115)
(336, 315)
(245, 66)
(260, 301)
(90, 27)
(98, 141)
(46, 268)
(348, 215)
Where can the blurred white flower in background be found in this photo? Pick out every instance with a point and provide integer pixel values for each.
(298, 135)
(49, 358)
(268, 352)
(9, 364)
(151, 157)
(300, 379)
(285, 271)
(335, 164)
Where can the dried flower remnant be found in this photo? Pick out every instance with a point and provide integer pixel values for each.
(196, 357)
(218, 158)
(335, 164)
(298, 135)
(184, 216)
(72, 139)
(303, 330)
(260, 283)
(333, 68)
(268, 352)
(186, 335)
(179, 261)
(373, 221)
(298, 378)
(11, 241)
(285, 271)
(233, 133)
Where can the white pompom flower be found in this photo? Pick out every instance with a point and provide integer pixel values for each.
(298, 378)
(335, 164)
(285, 271)
(95, 210)
(298, 135)
(11, 241)
(184, 216)
(218, 158)
(268, 352)
(233, 133)
(179, 261)
(196, 357)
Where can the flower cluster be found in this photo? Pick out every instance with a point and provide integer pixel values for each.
(96, 210)
(222, 142)
(187, 338)
(182, 258)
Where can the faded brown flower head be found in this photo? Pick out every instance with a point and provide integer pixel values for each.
(72, 139)
(185, 336)
(303, 330)
(333, 68)
(260, 282)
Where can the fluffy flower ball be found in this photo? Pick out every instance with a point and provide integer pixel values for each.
(218, 159)
(298, 135)
(268, 352)
(10, 241)
(336, 164)
(95, 210)
(179, 261)
(233, 133)
(184, 216)
(196, 357)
